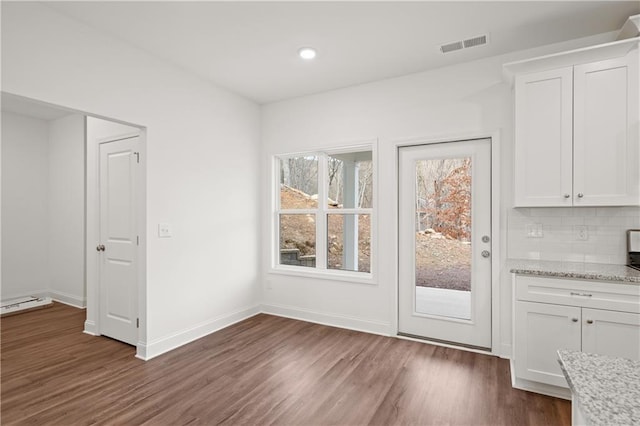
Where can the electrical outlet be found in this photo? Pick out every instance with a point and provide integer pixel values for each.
(581, 232)
(164, 230)
(534, 230)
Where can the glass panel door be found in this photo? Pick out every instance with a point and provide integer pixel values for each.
(443, 237)
(444, 288)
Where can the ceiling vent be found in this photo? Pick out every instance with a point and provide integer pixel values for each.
(464, 44)
(450, 47)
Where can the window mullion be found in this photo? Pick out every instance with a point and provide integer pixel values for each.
(298, 211)
(321, 218)
(351, 211)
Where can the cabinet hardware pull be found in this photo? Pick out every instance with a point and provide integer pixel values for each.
(567, 195)
(573, 293)
(580, 195)
(574, 319)
(589, 321)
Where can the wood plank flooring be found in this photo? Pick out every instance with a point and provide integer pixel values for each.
(264, 370)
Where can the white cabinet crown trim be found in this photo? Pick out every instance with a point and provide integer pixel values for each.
(573, 57)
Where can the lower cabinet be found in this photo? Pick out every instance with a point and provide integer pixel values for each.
(611, 333)
(574, 322)
(542, 329)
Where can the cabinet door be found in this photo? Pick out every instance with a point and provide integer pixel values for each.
(606, 143)
(611, 333)
(540, 330)
(543, 145)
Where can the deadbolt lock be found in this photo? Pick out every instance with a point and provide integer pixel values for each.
(485, 239)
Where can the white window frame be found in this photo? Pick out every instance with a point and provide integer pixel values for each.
(321, 212)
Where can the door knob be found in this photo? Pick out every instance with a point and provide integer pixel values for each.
(485, 253)
(100, 247)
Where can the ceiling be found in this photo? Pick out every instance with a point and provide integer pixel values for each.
(251, 47)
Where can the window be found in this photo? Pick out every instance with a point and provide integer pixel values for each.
(332, 236)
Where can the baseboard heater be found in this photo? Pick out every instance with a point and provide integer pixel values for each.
(20, 304)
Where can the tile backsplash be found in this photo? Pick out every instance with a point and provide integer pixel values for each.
(581, 234)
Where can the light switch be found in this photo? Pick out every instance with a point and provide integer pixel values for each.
(164, 230)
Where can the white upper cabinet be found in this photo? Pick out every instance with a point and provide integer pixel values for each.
(605, 133)
(577, 130)
(544, 138)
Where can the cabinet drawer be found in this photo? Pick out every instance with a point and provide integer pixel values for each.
(582, 293)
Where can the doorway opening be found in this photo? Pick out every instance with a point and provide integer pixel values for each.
(50, 208)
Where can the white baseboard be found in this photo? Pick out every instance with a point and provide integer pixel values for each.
(333, 320)
(58, 296)
(505, 351)
(68, 299)
(90, 328)
(147, 351)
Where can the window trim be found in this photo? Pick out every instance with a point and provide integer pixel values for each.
(320, 271)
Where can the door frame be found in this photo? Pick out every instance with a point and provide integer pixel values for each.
(92, 215)
(496, 235)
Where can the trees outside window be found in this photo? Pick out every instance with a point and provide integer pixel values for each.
(334, 234)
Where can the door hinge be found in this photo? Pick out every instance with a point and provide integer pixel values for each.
(137, 154)
(137, 322)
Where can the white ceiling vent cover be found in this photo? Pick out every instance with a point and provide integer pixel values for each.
(450, 47)
(464, 44)
(475, 41)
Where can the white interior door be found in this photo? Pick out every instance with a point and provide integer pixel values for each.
(444, 264)
(118, 240)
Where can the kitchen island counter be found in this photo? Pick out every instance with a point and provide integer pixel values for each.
(605, 390)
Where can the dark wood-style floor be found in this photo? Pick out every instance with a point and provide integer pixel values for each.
(264, 370)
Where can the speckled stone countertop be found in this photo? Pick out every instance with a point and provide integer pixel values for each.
(587, 271)
(608, 388)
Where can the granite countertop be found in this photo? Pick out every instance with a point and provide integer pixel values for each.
(588, 271)
(608, 389)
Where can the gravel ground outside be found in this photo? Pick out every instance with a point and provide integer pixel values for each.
(442, 262)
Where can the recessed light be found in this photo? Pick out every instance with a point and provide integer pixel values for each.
(307, 53)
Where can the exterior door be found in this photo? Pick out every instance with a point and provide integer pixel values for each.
(444, 265)
(118, 265)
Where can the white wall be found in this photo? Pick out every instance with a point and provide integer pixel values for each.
(203, 145)
(66, 209)
(456, 100)
(43, 207)
(25, 224)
